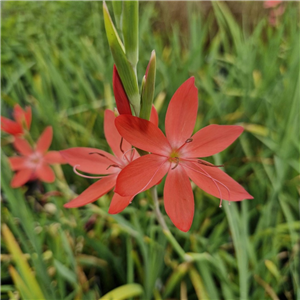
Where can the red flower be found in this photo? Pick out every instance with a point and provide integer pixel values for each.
(277, 9)
(178, 155)
(22, 119)
(34, 163)
(95, 161)
(271, 3)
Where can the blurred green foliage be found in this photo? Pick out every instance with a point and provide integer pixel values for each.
(55, 58)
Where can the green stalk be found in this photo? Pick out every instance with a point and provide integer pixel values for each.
(130, 29)
(166, 230)
(124, 67)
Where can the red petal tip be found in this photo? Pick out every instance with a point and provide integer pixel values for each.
(121, 98)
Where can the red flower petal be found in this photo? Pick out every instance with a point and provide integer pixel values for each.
(44, 140)
(223, 186)
(143, 134)
(17, 163)
(18, 114)
(271, 3)
(10, 126)
(21, 177)
(22, 116)
(87, 162)
(182, 113)
(211, 140)
(154, 116)
(141, 174)
(122, 101)
(28, 116)
(45, 173)
(22, 146)
(54, 157)
(93, 192)
(179, 198)
(119, 203)
(112, 135)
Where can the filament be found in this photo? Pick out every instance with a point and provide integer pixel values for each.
(221, 199)
(177, 162)
(85, 176)
(206, 163)
(151, 177)
(121, 144)
(202, 162)
(228, 191)
(132, 154)
(189, 140)
(215, 181)
(125, 156)
(115, 166)
(103, 156)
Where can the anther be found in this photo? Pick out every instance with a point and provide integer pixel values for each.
(177, 162)
(102, 156)
(115, 166)
(98, 154)
(189, 140)
(202, 162)
(121, 144)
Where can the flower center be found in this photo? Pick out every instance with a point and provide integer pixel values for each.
(34, 160)
(174, 158)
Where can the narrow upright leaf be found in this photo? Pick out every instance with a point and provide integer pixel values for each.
(22, 264)
(148, 86)
(123, 66)
(118, 8)
(130, 30)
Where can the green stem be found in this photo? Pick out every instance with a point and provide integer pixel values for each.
(165, 228)
(29, 138)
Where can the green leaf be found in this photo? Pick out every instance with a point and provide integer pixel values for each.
(175, 278)
(124, 67)
(118, 8)
(19, 283)
(65, 272)
(198, 284)
(124, 292)
(27, 280)
(148, 87)
(131, 30)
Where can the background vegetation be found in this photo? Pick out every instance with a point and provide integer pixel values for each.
(55, 58)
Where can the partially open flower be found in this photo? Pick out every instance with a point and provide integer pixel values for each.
(121, 98)
(34, 163)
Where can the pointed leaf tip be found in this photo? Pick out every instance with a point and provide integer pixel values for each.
(125, 69)
(148, 88)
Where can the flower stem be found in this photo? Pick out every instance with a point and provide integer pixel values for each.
(165, 228)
